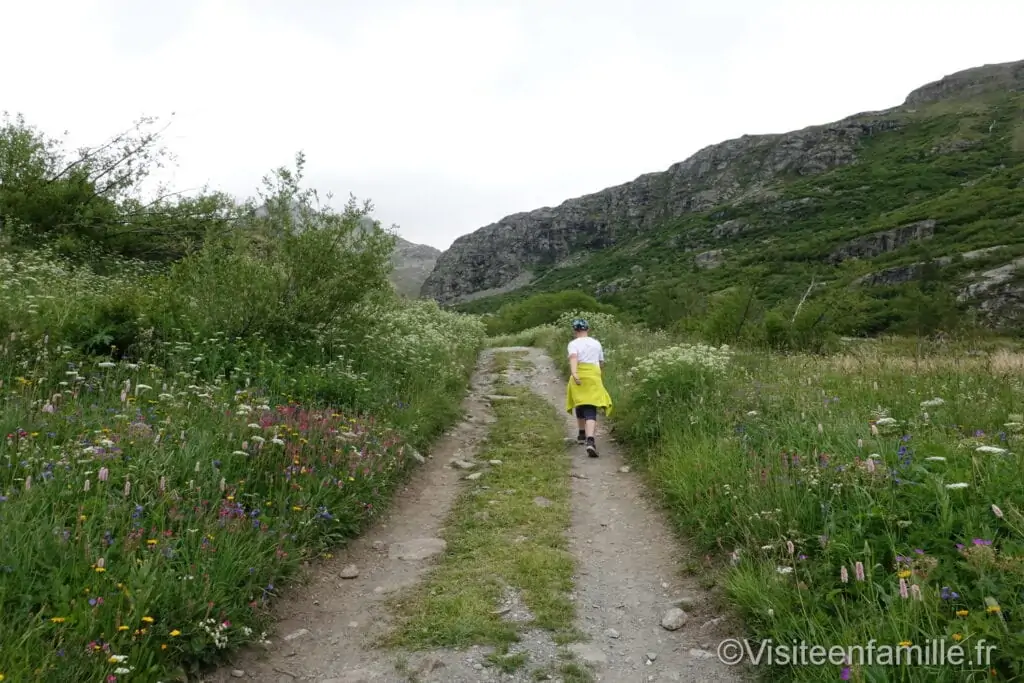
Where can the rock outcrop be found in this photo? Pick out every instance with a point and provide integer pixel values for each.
(885, 241)
(970, 83)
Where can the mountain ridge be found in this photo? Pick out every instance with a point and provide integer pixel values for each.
(939, 132)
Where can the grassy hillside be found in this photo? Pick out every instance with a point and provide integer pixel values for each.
(957, 163)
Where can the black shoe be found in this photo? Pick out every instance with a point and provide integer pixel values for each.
(591, 449)
(581, 439)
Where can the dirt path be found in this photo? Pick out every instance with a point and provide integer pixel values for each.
(627, 579)
(629, 569)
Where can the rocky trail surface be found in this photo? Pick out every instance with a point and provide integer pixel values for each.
(640, 619)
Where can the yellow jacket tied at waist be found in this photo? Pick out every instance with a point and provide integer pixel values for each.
(589, 392)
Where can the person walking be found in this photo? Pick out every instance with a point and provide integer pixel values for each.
(585, 393)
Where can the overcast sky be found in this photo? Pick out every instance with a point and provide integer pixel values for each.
(450, 115)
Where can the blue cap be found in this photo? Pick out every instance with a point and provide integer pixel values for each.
(580, 324)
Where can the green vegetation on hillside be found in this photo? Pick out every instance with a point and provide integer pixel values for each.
(193, 403)
(541, 309)
(865, 496)
(957, 163)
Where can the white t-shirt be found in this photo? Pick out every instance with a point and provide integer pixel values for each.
(587, 350)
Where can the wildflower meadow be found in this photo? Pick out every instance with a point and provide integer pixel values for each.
(178, 438)
(871, 495)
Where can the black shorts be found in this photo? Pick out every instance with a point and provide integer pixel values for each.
(586, 412)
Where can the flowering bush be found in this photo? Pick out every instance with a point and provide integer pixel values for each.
(659, 365)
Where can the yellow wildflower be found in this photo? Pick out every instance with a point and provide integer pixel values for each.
(904, 574)
(957, 637)
(962, 613)
(57, 620)
(151, 541)
(122, 628)
(905, 643)
(175, 633)
(148, 620)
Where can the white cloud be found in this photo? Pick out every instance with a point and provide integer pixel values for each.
(450, 115)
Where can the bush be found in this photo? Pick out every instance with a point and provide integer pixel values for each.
(542, 309)
(176, 439)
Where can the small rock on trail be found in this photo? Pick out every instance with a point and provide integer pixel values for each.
(417, 549)
(674, 619)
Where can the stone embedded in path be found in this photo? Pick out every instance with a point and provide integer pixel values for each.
(463, 464)
(685, 601)
(417, 457)
(417, 549)
(674, 619)
(237, 673)
(349, 572)
(700, 654)
(296, 634)
(541, 501)
(474, 476)
(588, 654)
(611, 633)
(624, 469)
(494, 462)
(499, 397)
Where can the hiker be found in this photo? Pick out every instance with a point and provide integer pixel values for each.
(586, 392)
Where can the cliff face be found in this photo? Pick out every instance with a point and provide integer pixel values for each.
(760, 171)
(496, 255)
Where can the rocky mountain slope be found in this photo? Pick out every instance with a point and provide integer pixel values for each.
(861, 206)
(413, 263)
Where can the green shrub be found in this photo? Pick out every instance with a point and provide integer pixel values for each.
(541, 309)
(176, 439)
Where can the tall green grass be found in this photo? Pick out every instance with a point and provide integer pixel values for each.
(174, 445)
(872, 494)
